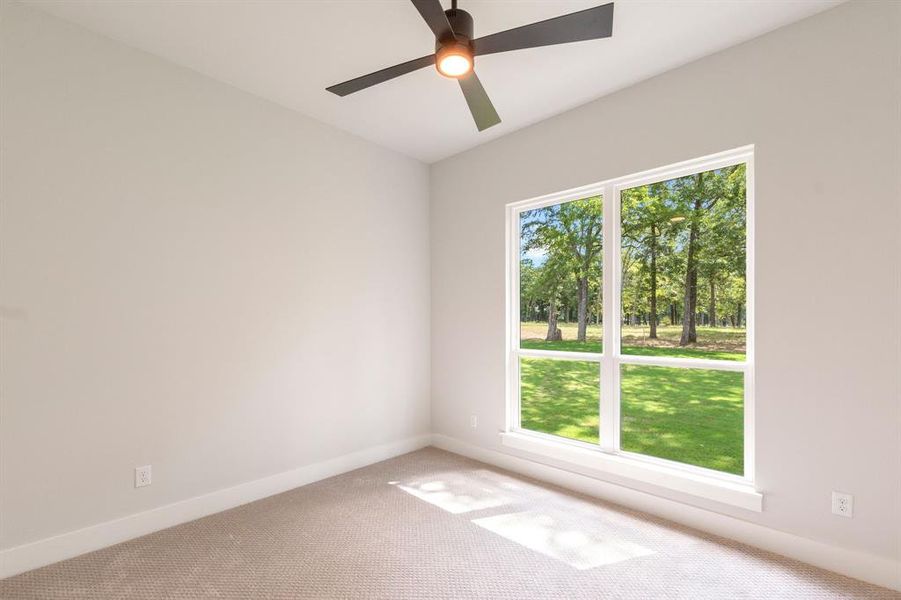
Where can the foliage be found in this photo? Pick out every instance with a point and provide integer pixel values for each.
(657, 221)
(568, 237)
(656, 226)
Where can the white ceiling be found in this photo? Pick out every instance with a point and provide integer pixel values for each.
(289, 51)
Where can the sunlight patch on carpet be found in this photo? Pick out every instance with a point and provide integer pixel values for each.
(462, 492)
(564, 538)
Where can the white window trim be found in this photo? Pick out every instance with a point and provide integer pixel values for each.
(633, 468)
(606, 458)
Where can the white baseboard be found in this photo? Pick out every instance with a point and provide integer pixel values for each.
(859, 565)
(50, 550)
(874, 569)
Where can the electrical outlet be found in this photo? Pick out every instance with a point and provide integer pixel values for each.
(474, 421)
(142, 476)
(842, 504)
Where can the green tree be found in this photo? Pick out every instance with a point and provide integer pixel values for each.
(715, 206)
(570, 235)
(721, 257)
(647, 226)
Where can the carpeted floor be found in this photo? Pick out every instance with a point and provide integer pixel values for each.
(432, 525)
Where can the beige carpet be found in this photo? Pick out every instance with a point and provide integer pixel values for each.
(431, 525)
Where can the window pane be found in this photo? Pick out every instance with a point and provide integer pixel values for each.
(560, 397)
(692, 416)
(683, 266)
(560, 276)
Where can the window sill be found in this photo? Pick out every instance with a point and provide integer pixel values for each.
(734, 493)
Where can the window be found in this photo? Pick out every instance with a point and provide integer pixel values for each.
(631, 317)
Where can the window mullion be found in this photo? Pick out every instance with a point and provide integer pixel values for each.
(514, 405)
(609, 398)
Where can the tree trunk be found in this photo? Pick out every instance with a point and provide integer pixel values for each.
(653, 316)
(689, 310)
(583, 309)
(553, 332)
(712, 310)
(689, 333)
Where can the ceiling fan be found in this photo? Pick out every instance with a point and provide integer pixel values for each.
(455, 49)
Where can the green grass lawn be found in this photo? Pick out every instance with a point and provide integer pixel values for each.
(560, 397)
(693, 416)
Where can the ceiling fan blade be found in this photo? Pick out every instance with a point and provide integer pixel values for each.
(591, 24)
(435, 18)
(479, 103)
(365, 81)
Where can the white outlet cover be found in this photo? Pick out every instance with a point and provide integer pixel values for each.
(142, 476)
(842, 504)
(474, 421)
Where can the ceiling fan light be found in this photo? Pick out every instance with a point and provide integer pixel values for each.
(454, 65)
(454, 61)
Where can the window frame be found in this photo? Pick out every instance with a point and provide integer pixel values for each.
(611, 359)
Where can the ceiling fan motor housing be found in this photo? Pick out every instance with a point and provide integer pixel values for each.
(461, 22)
(461, 42)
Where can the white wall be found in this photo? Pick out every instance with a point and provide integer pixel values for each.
(191, 278)
(198, 279)
(820, 100)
